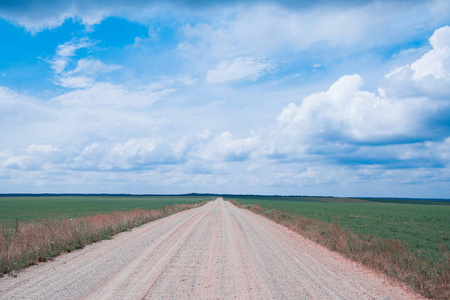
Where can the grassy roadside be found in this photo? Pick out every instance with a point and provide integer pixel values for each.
(426, 272)
(28, 243)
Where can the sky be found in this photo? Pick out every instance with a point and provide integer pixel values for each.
(339, 98)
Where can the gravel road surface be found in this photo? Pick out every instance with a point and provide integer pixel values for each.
(216, 251)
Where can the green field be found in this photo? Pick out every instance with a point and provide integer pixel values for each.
(423, 225)
(29, 208)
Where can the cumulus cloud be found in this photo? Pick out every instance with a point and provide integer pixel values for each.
(397, 126)
(107, 127)
(428, 76)
(225, 148)
(33, 158)
(140, 153)
(437, 61)
(133, 154)
(101, 127)
(238, 68)
(347, 113)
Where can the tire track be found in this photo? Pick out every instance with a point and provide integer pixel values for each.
(310, 263)
(144, 270)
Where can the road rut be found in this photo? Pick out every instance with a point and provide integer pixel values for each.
(216, 251)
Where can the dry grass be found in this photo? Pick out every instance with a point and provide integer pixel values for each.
(391, 257)
(33, 242)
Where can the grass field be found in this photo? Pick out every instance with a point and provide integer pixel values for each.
(405, 239)
(423, 226)
(38, 228)
(31, 208)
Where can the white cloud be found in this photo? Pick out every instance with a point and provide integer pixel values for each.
(268, 28)
(41, 148)
(427, 77)
(76, 81)
(412, 105)
(8, 96)
(105, 95)
(347, 113)
(58, 64)
(238, 68)
(141, 153)
(154, 34)
(84, 74)
(17, 113)
(79, 129)
(186, 80)
(443, 150)
(33, 158)
(65, 52)
(36, 16)
(92, 66)
(272, 29)
(436, 62)
(87, 70)
(225, 148)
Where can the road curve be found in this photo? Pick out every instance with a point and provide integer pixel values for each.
(216, 251)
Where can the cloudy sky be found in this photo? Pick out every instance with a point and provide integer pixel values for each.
(342, 98)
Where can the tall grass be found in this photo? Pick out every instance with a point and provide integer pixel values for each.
(389, 256)
(38, 241)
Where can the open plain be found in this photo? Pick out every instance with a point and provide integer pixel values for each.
(216, 251)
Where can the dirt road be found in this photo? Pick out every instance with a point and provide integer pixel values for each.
(217, 251)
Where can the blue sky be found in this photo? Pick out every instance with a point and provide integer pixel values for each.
(342, 98)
